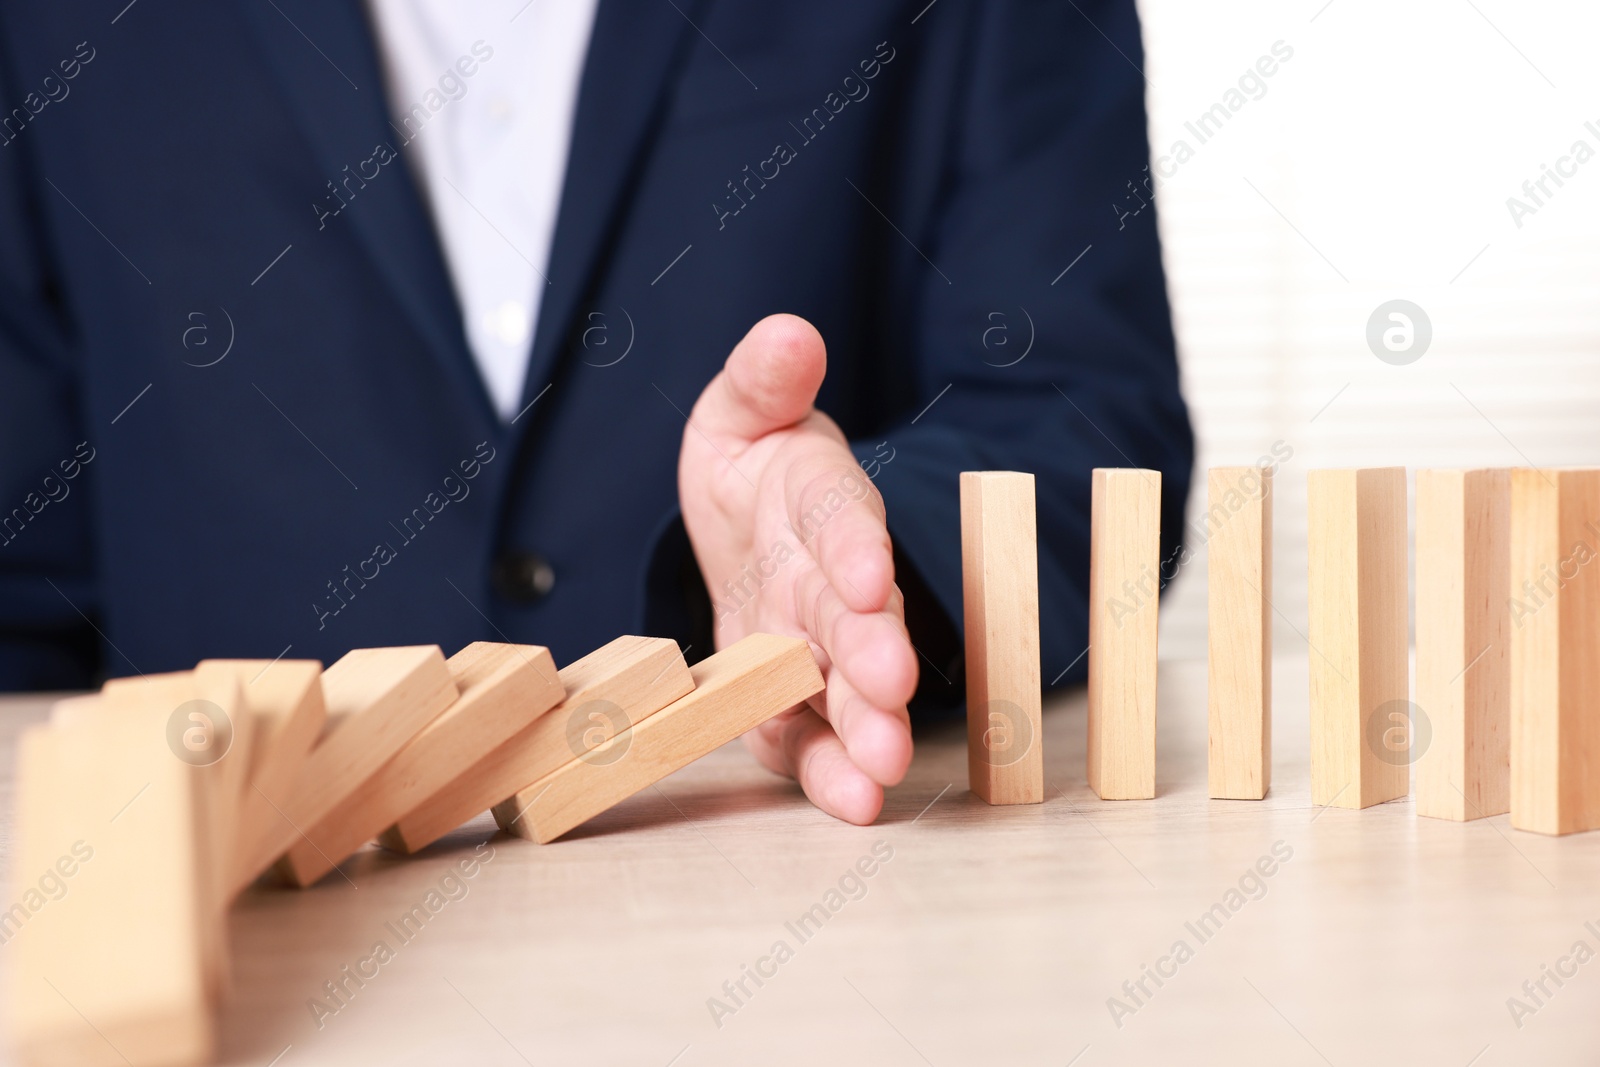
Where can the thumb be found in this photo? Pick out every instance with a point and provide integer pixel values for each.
(769, 382)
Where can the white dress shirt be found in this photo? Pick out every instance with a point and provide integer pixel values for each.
(483, 95)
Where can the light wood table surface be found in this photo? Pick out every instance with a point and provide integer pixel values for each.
(992, 935)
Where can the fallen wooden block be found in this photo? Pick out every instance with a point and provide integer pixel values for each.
(503, 688)
(220, 737)
(285, 700)
(735, 690)
(1360, 673)
(1000, 598)
(1555, 650)
(1124, 587)
(609, 690)
(72, 710)
(203, 720)
(225, 742)
(108, 940)
(377, 699)
(1464, 643)
(1238, 526)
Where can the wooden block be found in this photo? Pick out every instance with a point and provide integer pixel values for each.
(1463, 643)
(285, 701)
(377, 699)
(1124, 586)
(735, 690)
(503, 688)
(107, 941)
(126, 682)
(608, 690)
(73, 710)
(221, 739)
(1000, 602)
(1238, 528)
(202, 719)
(1360, 671)
(1555, 650)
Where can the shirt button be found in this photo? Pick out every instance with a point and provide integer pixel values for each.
(499, 108)
(525, 577)
(508, 323)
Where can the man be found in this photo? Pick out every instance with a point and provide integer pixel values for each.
(325, 327)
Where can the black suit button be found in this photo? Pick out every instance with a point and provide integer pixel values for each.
(523, 576)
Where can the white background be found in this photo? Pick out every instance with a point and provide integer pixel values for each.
(1390, 142)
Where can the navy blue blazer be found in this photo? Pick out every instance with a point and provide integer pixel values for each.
(238, 415)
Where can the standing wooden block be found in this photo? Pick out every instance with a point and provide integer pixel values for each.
(108, 958)
(1463, 643)
(610, 689)
(285, 699)
(1360, 674)
(1238, 527)
(377, 699)
(1555, 650)
(503, 688)
(735, 690)
(1124, 587)
(1000, 600)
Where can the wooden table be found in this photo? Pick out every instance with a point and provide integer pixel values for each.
(989, 935)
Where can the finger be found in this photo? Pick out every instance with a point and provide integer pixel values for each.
(872, 649)
(765, 742)
(836, 512)
(877, 739)
(827, 774)
(769, 382)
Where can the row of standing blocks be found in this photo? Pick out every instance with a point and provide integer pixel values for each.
(1507, 709)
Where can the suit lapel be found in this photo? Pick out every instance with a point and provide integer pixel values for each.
(336, 88)
(635, 47)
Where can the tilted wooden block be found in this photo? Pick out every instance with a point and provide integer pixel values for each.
(503, 688)
(1238, 527)
(220, 738)
(1555, 650)
(1360, 673)
(735, 690)
(1000, 599)
(70, 711)
(377, 699)
(108, 938)
(1124, 586)
(227, 744)
(609, 690)
(203, 720)
(285, 700)
(1463, 643)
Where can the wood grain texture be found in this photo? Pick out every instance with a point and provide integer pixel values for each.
(502, 688)
(1238, 528)
(1000, 604)
(286, 705)
(1124, 587)
(735, 690)
(1360, 669)
(114, 970)
(1555, 650)
(1463, 687)
(613, 687)
(377, 699)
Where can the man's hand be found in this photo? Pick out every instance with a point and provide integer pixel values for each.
(789, 533)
